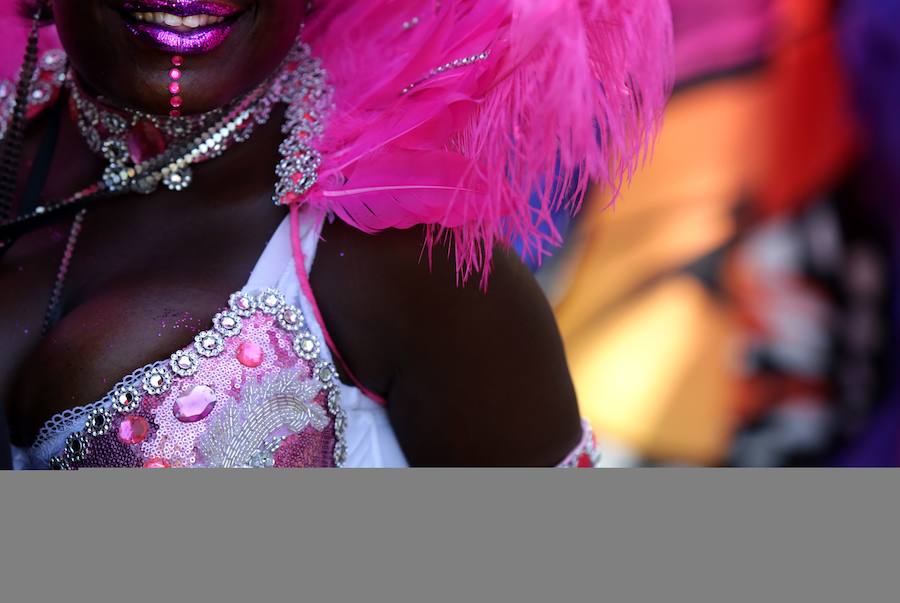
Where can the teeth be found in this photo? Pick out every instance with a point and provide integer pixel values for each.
(170, 20)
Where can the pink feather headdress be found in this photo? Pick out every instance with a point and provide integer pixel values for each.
(451, 113)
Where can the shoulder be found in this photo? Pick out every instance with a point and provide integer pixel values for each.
(452, 359)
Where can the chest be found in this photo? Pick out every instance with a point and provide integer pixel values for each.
(147, 275)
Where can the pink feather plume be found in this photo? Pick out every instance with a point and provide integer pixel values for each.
(569, 86)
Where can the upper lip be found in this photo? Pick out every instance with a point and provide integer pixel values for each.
(184, 8)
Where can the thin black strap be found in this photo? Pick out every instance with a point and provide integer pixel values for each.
(39, 174)
(40, 170)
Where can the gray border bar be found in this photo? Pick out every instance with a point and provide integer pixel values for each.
(452, 535)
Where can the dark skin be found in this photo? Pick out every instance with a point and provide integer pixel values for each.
(470, 377)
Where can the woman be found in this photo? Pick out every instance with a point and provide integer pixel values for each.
(147, 166)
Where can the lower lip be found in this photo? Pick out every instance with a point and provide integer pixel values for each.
(197, 41)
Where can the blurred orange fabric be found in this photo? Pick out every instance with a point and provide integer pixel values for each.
(652, 350)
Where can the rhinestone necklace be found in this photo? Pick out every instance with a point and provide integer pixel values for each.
(128, 140)
(300, 83)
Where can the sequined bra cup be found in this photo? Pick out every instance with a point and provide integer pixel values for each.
(253, 391)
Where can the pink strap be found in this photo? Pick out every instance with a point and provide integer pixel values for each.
(303, 277)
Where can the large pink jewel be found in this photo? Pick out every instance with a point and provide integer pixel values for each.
(157, 463)
(145, 142)
(133, 430)
(195, 406)
(250, 354)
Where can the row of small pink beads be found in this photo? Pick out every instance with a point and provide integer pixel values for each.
(175, 86)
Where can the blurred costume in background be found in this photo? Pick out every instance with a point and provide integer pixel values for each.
(701, 313)
(870, 46)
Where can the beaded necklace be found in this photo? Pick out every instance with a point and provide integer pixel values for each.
(144, 151)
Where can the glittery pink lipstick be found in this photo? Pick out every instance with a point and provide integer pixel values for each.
(181, 26)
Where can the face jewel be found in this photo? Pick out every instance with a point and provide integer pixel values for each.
(228, 324)
(270, 301)
(184, 363)
(306, 346)
(98, 422)
(196, 405)
(242, 305)
(209, 344)
(157, 463)
(126, 399)
(133, 430)
(250, 354)
(76, 447)
(157, 381)
(290, 319)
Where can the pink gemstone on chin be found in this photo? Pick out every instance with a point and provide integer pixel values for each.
(250, 354)
(196, 405)
(145, 142)
(175, 74)
(174, 113)
(178, 60)
(176, 101)
(175, 88)
(157, 463)
(133, 430)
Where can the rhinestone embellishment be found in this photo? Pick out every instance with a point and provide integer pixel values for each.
(197, 403)
(325, 372)
(270, 301)
(184, 363)
(306, 346)
(126, 399)
(209, 344)
(58, 464)
(290, 319)
(98, 422)
(242, 304)
(228, 324)
(157, 381)
(76, 447)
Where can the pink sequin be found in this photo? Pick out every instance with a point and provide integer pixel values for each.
(176, 101)
(178, 60)
(175, 88)
(175, 74)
